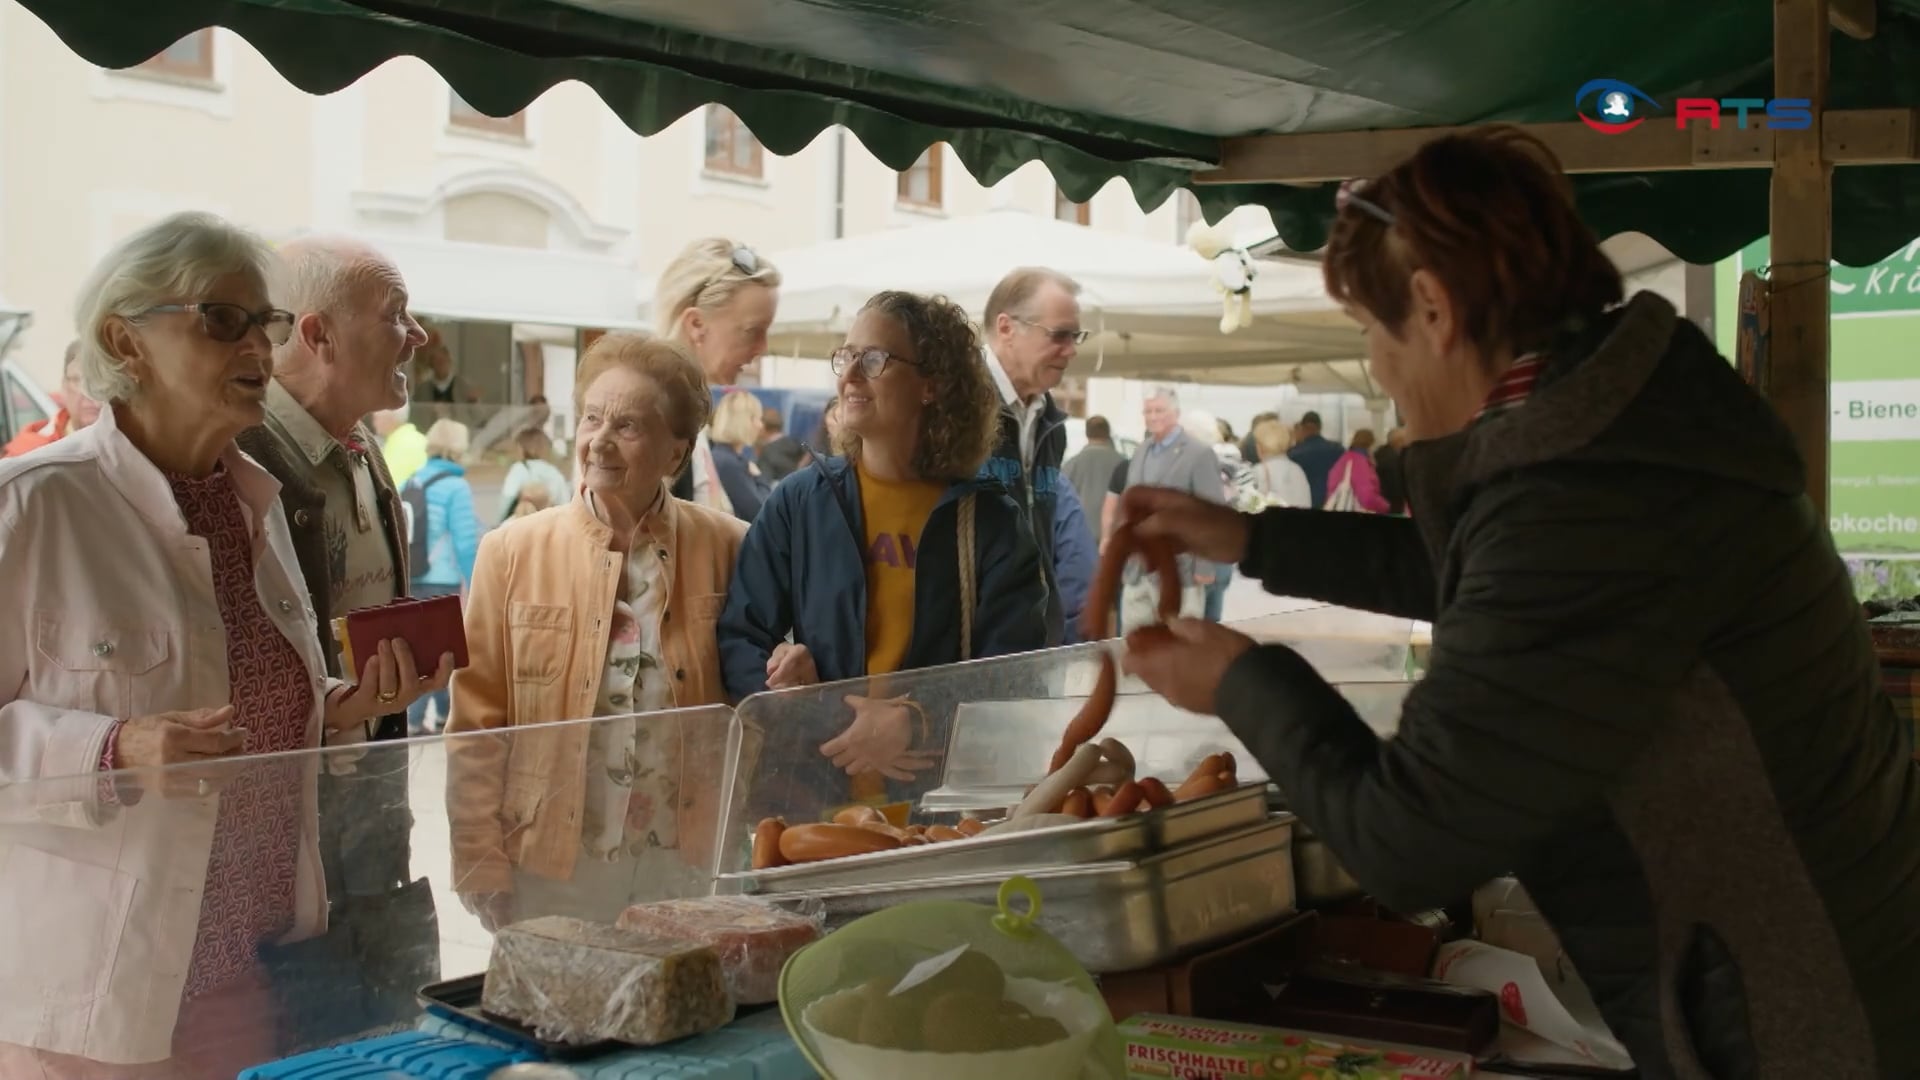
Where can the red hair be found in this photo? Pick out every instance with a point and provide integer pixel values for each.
(1491, 215)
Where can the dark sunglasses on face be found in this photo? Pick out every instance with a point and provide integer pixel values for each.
(873, 362)
(230, 322)
(1057, 335)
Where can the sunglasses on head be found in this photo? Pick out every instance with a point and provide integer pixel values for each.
(230, 322)
(1350, 195)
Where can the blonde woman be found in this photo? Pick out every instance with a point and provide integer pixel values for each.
(717, 298)
(733, 434)
(603, 606)
(1281, 482)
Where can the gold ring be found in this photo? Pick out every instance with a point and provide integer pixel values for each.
(385, 697)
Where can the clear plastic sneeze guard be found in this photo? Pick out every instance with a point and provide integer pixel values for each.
(108, 881)
(973, 737)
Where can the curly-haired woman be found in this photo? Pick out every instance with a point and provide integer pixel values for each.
(896, 555)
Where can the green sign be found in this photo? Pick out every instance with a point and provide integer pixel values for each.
(1874, 463)
(1890, 286)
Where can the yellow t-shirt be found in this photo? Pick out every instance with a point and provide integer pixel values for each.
(896, 514)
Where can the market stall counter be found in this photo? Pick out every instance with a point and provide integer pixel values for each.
(116, 886)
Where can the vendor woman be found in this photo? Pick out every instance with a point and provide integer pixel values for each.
(1651, 696)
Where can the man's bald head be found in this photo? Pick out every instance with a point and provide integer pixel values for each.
(320, 273)
(353, 337)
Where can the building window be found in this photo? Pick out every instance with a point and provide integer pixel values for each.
(462, 115)
(189, 58)
(1065, 209)
(731, 148)
(1186, 211)
(920, 185)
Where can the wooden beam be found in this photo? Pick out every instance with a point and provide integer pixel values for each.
(1852, 137)
(1799, 366)
(1854, 18)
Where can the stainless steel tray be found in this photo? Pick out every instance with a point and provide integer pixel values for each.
(1098, 840)
(1122, 916)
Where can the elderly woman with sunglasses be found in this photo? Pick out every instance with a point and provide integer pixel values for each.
(716, 299)
(896, 556)
(156, 616)
(1652, 696)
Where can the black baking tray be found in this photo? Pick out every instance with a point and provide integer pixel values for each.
(458, 1001)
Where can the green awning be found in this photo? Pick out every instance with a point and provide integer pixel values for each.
(1140, 89)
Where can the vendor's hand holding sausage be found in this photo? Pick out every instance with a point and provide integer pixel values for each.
(184, 737)
(789, 666)
(1184, 660)
(880, 739)
(1193, 525)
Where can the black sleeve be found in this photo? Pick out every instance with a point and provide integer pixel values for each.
(1365, 561)
(1552, 668)
(1118, 484)
(683, 484)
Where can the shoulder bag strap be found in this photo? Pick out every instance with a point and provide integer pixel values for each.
(968, 583)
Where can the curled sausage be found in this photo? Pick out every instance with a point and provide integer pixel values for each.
(1101, 797)
(1155, 791)
(940, 834)
(1098, 626)
(1048, 795)
(1126, 799)
(971, 826)
(766, 844)
(812, 843)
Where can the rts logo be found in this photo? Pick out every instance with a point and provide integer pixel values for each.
(1619, 107)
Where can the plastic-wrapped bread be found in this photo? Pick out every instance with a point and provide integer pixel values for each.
(753, 938)
(573, 981)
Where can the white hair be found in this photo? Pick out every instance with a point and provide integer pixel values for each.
(320, 273)
(1201, 424)
(174, 261)
(1164, 393)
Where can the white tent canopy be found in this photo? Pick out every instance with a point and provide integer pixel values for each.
(1152, 305)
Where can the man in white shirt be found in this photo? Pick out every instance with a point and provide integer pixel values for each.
(1032, 332)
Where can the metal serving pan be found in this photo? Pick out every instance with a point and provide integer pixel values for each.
(1120, 916)
(1098, 840)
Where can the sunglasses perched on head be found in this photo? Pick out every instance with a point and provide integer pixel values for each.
(1352, 194)
(230, 322)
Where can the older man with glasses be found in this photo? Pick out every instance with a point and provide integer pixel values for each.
(1032, 332)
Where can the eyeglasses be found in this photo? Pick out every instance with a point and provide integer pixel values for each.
(230, 322)
(1350, 195)
(873, 362)
(1058, 335)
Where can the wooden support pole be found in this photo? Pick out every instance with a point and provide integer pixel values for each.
(1802, 243)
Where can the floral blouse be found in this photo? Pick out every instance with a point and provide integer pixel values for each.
(632, 774)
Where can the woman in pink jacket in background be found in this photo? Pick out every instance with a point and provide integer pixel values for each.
(1353, 483)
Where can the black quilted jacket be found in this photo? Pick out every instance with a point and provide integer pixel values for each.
(1651, 697)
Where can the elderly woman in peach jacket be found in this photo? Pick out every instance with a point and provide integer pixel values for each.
(604, 607)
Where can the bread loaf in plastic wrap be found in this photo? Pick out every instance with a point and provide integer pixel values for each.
(576, 982)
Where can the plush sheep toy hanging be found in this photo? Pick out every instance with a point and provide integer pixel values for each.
(1232, 273)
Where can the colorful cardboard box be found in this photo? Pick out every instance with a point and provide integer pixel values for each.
(1176, 1048)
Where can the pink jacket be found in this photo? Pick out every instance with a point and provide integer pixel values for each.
(1366, 481)
(110, 613)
